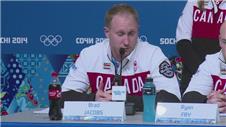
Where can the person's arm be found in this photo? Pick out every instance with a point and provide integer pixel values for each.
(164, 96)
(163, 75)
(76, 96)
(76, 83)
(215, 97)
(72, 95)
(194, 97)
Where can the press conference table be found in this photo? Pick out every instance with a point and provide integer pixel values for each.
(30, 119)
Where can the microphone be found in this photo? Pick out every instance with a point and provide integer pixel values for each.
(122, 52)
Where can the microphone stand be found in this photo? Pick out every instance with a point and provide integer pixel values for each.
(118, 77)
(129, 106)
(122, 52)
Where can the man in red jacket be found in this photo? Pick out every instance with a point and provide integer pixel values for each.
(208, 84)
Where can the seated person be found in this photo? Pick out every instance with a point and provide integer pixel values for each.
(208, 84)
(197, 34)
(99, 65)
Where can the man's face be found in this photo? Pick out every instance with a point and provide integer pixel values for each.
(223, 46)
(222, 39)
(122, 33)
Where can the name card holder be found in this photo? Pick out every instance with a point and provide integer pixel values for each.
(195, 113)
(93, 110)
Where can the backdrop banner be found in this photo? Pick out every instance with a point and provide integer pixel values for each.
(39, 37)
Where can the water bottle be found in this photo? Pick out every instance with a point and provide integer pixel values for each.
(54, 98)
(149, 96)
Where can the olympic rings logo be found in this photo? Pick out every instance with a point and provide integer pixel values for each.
(51, 40)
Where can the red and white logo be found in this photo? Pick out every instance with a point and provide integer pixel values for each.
(219, 83)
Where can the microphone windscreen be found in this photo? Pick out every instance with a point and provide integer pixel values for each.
(121, 51)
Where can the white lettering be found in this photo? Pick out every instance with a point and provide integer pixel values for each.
(195, 15)
(98, 40)
(98, 80)
(6, 40)
(220, 18)
(19, 40)
(81, 40)
(218, 83)
(203, 17)
(210, 18)
(108, 84)
(140, 82)
(126, 83)
(135, 86)
(167, 41)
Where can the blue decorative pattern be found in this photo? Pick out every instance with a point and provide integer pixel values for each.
(25, 79)
(29, 63)
(14, 79)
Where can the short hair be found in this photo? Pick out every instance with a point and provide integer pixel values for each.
(117, 9)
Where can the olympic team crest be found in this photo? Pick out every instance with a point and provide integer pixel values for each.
(166, 69)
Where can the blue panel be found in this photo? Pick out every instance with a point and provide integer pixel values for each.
(59, 27)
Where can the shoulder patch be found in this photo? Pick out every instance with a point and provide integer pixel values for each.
(166, 69)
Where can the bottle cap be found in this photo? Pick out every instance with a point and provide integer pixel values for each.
(149, 79)
(54, 74)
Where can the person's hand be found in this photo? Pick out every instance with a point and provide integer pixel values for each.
(101, 95)
(219, 98)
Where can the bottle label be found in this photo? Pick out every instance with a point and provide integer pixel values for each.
(149, 91)
(54, 94)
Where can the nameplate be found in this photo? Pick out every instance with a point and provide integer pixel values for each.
(118, 93)
(93, 110)
(197, 113)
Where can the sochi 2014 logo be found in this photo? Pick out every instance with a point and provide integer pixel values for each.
(49, 40)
